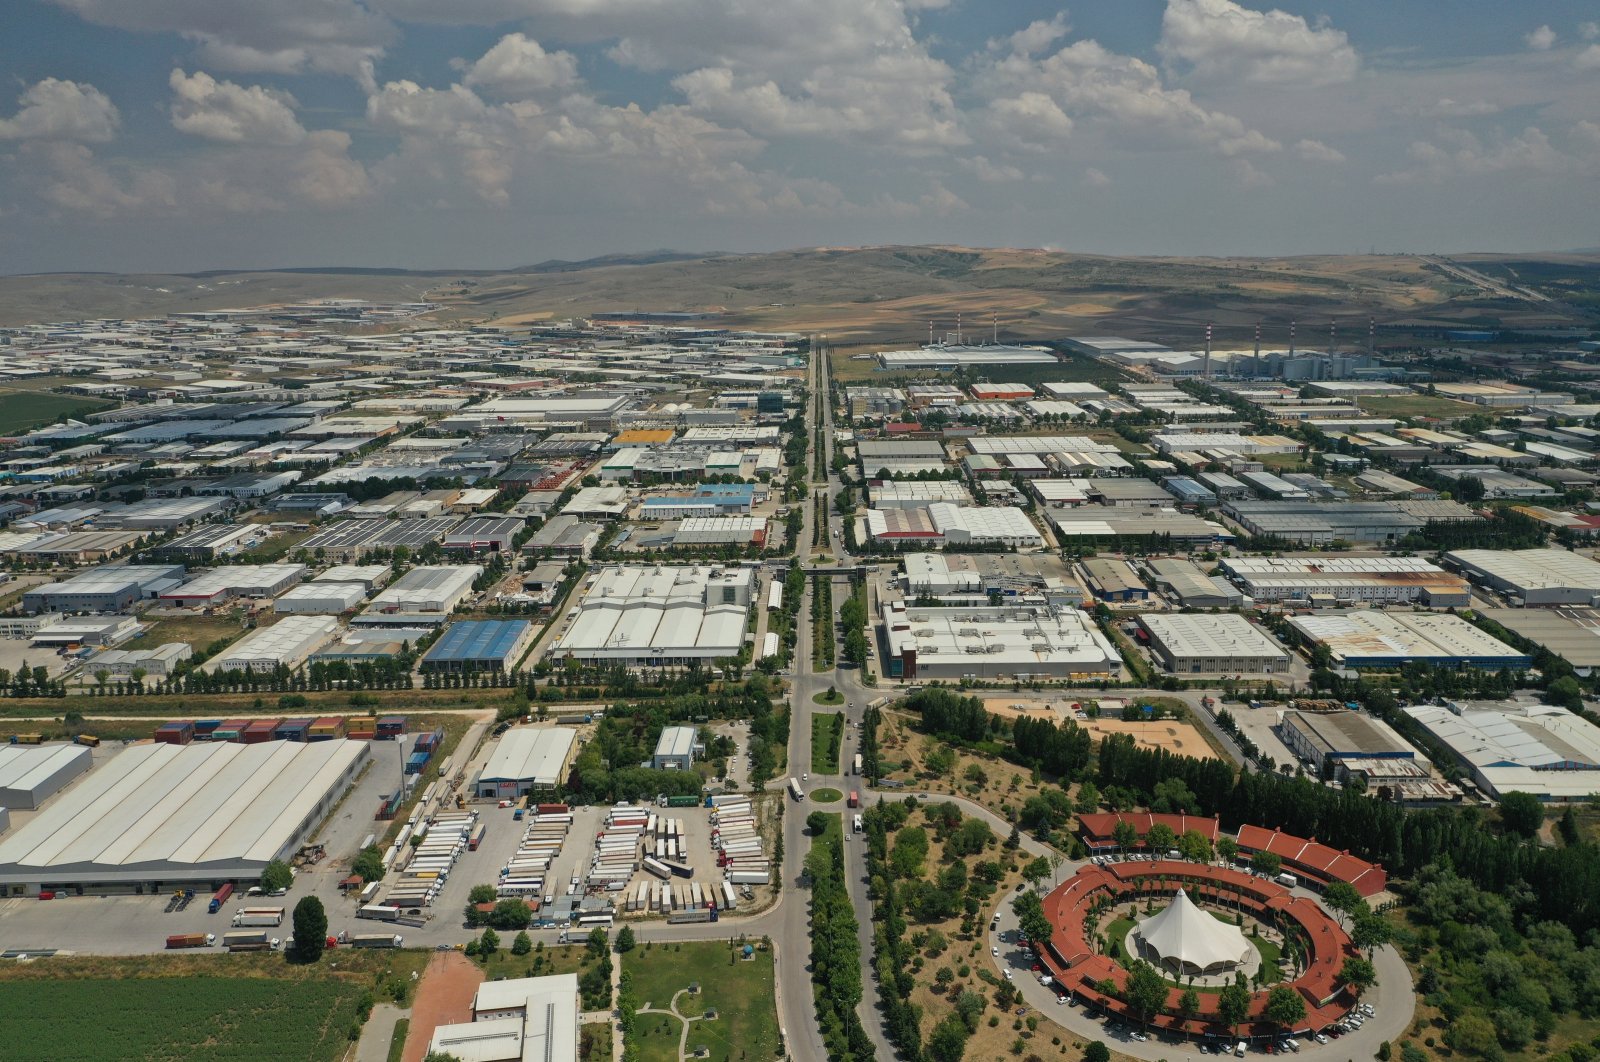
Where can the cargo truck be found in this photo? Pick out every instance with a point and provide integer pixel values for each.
(253, 940)
(855, 799)
(259, 916)
(376, 940)
(191, 940)
(220, 897)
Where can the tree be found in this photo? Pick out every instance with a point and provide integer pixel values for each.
(817, 822)
(1521, 813)
(369, 865)
(1031, 918)
(1195, 846)
(1096, 1051)
(1285, 1007)
(1172, 796)
(276, 875)
(522, 943)
(1343, 898)
(1036, 870)
(1567, 827)
(1564, 691)
(310, 929)
(597, 942)
(1267, 864)
(1146, 992)
(1369, 931)
(1189, 1003)
(948, 1041)
(1358, 973)
(1124, 834)
(625, 939)
(1088, 798)
(482, 894)
(1233, 1004)
(489, 943)
(1160, 839)
(1227, 848)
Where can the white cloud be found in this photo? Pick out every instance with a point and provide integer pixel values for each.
(1247, 175)
(1035, 37)
(1446, 107)
(1033, 120)
(1456, 153)
(1123, 94)
(54, 109)
(1589, 30)
(1221, 39)
(1541, 39)
(1095, 179)
(1317, 151)
(990, 172)
(259, 36)
(518, 66)
(1588, 59)
(220, 110)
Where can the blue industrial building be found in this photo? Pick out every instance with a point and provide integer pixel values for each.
(479, 645)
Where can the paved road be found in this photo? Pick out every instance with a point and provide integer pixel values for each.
(378, 1032)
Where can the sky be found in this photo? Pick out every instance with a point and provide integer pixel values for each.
(183, 135)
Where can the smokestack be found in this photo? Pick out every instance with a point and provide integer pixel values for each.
(1291, 337)
(1372, 335)
(958, 329)
(1205, 365)
(930, 333)
(1258, 339)
(1333, 341)
(994, 322)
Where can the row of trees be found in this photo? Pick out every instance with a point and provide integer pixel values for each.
(835, 952)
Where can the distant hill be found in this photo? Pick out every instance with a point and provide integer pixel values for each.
(890, 294)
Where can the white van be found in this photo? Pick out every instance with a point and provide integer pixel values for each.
(1238, 1049)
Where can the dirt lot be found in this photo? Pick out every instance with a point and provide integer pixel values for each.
(443, 998)
(1182, 738)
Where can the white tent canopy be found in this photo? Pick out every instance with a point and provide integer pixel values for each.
(1186, 938)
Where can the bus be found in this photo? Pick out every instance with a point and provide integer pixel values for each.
(856, 764)
(794, 789)
(856, 824)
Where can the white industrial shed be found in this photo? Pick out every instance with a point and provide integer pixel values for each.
(159, 816)
(321, 598)
(30, 774)
(288, 642)
(526, 760)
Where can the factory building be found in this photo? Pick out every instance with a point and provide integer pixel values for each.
(1222, 644)
(348, 540)
(1339, 744)
(287, 643)
(1573, 634)
(480, 645)
(914, 494)
(1184, 582)
(1111, 580)
(676, 749)
(517, 1020)
(370, 576)
(1538, 749)
(1368, 638)
(110, 589)
(1009, 642)
(484, 534)
(241, 580)
(661, 617)
(159, 661)
(527, 760)
(721, 531)
(1097, 524)
(1312, 523)
(424, 596)
(1332, 579)
(1532, 577)
(31, 774)
(320, 598)
(158, 817)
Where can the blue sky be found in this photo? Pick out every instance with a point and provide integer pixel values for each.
(173, 135)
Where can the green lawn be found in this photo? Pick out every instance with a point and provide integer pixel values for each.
(1416, 406)
(397, 1043)
(741, 993)
(1271, 966)
(828, 698)
(22, 410)
(826, 796)
(559, 959)
(192, 1019)
(196, 631)
(827, 734)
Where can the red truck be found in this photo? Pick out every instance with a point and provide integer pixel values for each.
(220, 897)
(855, 799)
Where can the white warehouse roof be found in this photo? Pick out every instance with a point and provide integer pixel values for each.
(204, 811)
(527, 754)
(30, 773)
(288, 642)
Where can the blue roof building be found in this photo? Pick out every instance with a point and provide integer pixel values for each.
(479, 645)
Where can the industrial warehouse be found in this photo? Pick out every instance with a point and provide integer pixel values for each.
(1368, 638)
(659, 617)
(1319, 578)
(1220, 644)
(30, 774)
(1532, 577)
(158, 816)
(480, 645)
(1021, 643)
(1538, 749)
(527, 760)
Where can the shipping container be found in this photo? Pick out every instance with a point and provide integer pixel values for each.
(749, 877)
(175, 733)
(258, 916)
(728, 901)
(658, 868)
(380, 912)
(251, 940)
(220, 897)
(376, 940)
(205, 727)
(477, 836)
(391, 727)
(191, 940)
(292, 730)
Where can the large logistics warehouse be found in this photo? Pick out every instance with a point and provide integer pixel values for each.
(289, 642)
(1532, 576)
(1538, 749)
(527, 760)
(480, 645)
(426, 595)
(109, 589)
(1021, 643)
(1368, 638)
(159, 816)
(1225, 643)
(239, 580)
(1376, 580)
(1573, 634)
(659, 617)
(30, 774)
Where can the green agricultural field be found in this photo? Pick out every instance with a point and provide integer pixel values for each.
(740, 991)
(1417, 406)
(22, 410)
(178, 1019)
